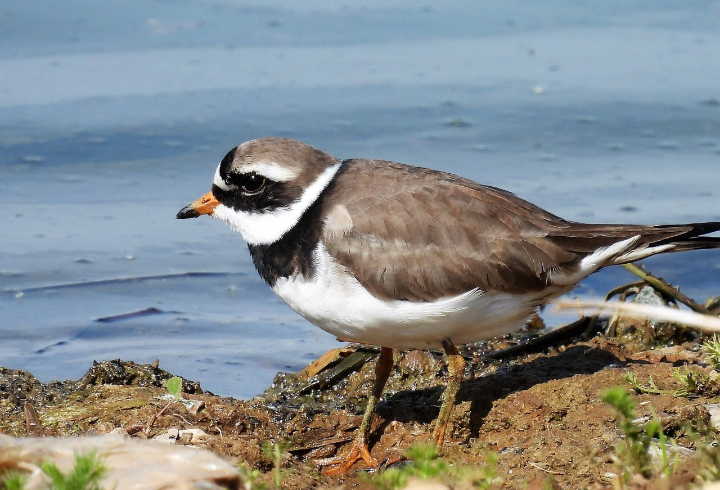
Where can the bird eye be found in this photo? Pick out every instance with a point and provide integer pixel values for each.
(250, 183)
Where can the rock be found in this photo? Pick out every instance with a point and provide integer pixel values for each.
(185, 436)
(714, 411)
(646, 333)
(192, 406)
(130, 463)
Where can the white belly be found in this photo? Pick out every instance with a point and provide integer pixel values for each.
(336, 302)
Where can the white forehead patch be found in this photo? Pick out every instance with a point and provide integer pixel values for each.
(271, 170)
(269, 226)
(218, 181)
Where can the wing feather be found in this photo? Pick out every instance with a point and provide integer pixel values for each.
(422, 235)
(426, 235)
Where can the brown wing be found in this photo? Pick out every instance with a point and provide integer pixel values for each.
(422, 235)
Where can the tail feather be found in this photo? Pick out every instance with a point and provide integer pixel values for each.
(587, 238)
(681, 238)
(598, 246)
(692, 239)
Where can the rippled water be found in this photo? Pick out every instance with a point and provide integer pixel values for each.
(111, 120)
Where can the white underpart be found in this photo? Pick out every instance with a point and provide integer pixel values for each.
(618, 253)
(336, 302)
(268, 226)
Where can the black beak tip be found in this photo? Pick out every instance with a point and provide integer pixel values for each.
(187, 212)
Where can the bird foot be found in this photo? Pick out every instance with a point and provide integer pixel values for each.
(359, 450)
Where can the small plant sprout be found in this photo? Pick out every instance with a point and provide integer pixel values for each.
(251, 477)
(276, 451)
(13, 480)
(711, 348)
(632, 453)
(86, 475)
(651, 387)
(425, 464)
(693, 383)
(174, 386)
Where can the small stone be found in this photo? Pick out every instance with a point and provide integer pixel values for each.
(194, 406)
(119, 431)
(417, 363)
(182, 437)
(714, 411)
(170, 436)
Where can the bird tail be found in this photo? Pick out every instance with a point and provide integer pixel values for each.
(692, 239)
(598, 246)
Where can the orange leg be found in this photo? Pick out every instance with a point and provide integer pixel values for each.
(456, 369)
(359, 448)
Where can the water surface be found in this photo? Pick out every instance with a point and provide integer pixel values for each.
(112, 119)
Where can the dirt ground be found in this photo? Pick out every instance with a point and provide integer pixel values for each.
(540, 412)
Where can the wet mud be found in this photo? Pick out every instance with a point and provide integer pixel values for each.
(541, 411)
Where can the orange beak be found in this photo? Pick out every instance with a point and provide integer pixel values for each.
(204, 205)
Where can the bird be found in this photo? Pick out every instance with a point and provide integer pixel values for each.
(405, 257)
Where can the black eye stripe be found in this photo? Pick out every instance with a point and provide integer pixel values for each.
(249, 183)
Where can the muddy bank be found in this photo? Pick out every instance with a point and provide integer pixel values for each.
(540, 412)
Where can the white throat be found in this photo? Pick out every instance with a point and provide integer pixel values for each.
(266, 227)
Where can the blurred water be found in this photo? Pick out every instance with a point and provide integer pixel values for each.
(113, 118)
